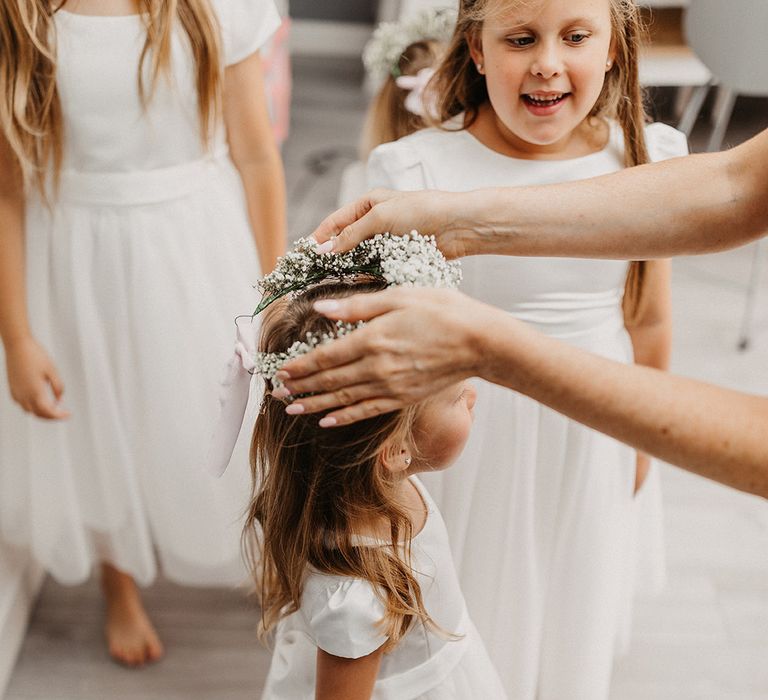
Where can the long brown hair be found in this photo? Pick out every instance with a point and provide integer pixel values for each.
(387, 118)
(30, 109)
(460, 88)
(313, 488)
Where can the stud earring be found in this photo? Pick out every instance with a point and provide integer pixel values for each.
(479, 67)
(408, 461)
(608, 64)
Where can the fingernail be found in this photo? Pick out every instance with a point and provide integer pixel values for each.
(328, 422)
(295, 409)
(327, 306)
(281, 393)
(282, 375)
(325, 248)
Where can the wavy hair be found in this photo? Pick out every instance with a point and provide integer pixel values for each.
(314, 488)
(460, 88)
(30, 108)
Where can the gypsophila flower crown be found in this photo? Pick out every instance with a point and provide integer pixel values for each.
(390, 39)
(410, 260)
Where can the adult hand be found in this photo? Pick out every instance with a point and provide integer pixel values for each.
(439, 214)
(33, 380)
(417, 342)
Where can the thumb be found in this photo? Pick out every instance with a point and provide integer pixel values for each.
(57, 386)
(362, 307)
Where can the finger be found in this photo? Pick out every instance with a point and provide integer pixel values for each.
(360, 411)
(335, 223)
(57, 386)
(44, 407)
(363, 307)
(330, 380)
(367, 225)
(345, 351)
(344, 396)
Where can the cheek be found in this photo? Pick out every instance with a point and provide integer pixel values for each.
(442, 445)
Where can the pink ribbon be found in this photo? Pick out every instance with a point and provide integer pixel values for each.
(415, 102)
(233, 396)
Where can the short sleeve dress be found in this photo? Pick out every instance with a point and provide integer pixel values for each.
(341, 616)
(539, 508)
(134, 277)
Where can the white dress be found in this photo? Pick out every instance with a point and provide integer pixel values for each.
(539, 509)
(340, 615)
(134, 281)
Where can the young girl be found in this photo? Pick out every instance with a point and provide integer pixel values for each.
(137, 166)
(351, 556)
(400, 60)
(535, 92)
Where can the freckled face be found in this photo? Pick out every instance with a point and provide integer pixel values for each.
(544, 64)
(442, 427)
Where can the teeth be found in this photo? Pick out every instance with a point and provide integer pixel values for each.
(544, 101)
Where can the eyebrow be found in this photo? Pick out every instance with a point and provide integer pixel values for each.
(515, 24)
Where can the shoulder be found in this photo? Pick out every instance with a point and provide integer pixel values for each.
(246, 25)
(343, 615)
(404, 164)
(665, 142)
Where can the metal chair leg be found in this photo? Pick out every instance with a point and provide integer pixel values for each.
(745, 336)
(725, 103)
(692, 109)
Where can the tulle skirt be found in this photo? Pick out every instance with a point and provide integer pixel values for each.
(134, 281)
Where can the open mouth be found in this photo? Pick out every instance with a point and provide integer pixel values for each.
(545, 100)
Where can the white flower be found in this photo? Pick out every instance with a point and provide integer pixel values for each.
(383, 51)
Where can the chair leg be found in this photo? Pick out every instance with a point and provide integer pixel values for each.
(745, 336)
(692, 109)
(725, 103)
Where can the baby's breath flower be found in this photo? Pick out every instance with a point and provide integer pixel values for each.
(390, 39)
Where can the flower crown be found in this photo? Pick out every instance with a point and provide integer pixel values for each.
(390, 39)
(410, 260)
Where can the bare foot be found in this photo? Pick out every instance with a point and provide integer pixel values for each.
(131, 637)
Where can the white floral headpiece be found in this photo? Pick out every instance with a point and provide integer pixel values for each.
(410, 260)
(390, 39)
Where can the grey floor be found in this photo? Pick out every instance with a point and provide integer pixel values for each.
(706, 637)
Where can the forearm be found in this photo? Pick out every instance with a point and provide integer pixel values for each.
(697, 204)
(264, 184)
(714, 432)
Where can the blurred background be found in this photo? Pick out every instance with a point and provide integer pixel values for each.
(706, 636)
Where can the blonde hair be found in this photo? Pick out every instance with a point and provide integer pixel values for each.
(387, 118)
(312, 488)
(460, 88)
(30, 109)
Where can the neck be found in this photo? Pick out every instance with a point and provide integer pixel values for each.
(588, 137)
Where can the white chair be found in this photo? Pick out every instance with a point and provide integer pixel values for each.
(729, 37)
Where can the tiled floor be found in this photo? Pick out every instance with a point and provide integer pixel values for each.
(705, 638)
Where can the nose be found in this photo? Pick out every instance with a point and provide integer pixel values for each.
(547, 62)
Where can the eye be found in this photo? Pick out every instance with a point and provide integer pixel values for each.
(576, 37)
(461, 396)
(520, 42)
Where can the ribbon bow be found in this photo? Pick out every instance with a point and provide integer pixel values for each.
(415, 102)
(233, 396)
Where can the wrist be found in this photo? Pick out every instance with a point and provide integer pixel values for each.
(484, 228)
(15, 339)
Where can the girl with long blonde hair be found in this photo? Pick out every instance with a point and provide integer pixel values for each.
(351, 560)
(138, 178)
(535, 92)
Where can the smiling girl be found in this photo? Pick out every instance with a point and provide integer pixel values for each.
(537, 92)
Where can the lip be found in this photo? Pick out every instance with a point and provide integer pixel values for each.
(545, 110)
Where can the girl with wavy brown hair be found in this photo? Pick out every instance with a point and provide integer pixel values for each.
(138, 178)
(535, 92)
(350, 555)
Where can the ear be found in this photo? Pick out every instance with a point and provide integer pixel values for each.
(475, 43)
(396, 458)
(611, 59)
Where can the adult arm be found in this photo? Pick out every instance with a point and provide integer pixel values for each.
(32, 377)
(696, 204)
(346, 679)
(256, 156)
(421, 340)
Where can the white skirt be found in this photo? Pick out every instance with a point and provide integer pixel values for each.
(542, 523)
(134, 282)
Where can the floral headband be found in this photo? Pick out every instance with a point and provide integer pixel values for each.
(410, 260)
(382, 53)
